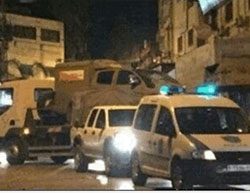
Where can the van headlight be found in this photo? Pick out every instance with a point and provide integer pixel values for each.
(124, 141)
(205, 155)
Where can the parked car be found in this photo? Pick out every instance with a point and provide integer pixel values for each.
(106, 135)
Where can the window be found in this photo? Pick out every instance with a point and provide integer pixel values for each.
(190, 37)
(42, 95)
(164, 123)
(50, 35)
(101, 120)
(6, 99)
(180, 47)
(24, 32)
(229, 11)
(105, 77)
(145, 117)
(123, 77)
(92, 118)
(121, 117)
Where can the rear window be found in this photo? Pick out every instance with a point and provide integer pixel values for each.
(121, 117)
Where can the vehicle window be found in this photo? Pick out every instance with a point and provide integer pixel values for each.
(105, 77)
(121, 117)
(92, 118)
(212, 120)
(6, 99)
(164, 123)
(145, 117)
(43, 93)
(101, 120)
(123, 77)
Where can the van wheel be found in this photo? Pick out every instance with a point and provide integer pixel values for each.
(110, 167)
(179, 180)
(16, 151)
(80, 161)
(59, 159)
(138, 177)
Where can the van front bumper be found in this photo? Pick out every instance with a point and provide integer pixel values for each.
(216, 172)
(121, 159)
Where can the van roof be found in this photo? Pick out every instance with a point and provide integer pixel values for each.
(115, 107)
(101, 63)
(186, 100)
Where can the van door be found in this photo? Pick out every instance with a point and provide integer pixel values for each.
(162, 141)
(97, 132)
(87, 132)
(143, 124)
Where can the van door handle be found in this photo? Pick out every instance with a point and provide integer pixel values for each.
(93, 133)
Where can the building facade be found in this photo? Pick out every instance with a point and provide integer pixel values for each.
(208, 47)
(35, 40)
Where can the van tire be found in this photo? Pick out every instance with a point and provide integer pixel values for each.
(16, 151)
(178, 177)
(110, 166)
(59, 159)
(80, 161)
(138, 177)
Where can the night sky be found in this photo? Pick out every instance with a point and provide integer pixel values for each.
(140, 15)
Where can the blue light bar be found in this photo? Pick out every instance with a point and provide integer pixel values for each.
(207, 89)
(164, 90)
(170, 89)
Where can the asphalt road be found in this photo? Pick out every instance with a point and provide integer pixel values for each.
(45, 175)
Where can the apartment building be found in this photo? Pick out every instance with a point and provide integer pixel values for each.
(209, 41)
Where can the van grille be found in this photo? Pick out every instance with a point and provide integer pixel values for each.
(233, 156)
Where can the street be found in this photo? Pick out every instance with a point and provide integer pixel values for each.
(45, 175)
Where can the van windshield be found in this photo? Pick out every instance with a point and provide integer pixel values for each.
(122, 118)
(211, 120)
(6, 99)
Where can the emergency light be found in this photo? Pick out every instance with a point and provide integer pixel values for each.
(170, 89)
(207, 89)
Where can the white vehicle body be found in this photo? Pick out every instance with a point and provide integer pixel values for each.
(106, 131)
(202, 135)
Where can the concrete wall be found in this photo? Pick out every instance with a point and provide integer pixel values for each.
(30, 51)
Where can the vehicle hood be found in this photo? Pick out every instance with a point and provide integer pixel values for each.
(221, 142)
(120, 128)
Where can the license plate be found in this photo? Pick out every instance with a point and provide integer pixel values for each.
(55, 130)
(238, 168)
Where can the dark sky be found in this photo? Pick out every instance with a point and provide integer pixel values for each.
(140, 15)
